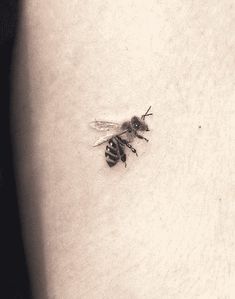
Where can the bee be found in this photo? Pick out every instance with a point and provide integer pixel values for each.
(120, 136)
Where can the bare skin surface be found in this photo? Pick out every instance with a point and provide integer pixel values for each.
(163, 227)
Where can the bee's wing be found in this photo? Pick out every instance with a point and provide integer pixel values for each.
(104, 125)
(107, 137)
(103, 139)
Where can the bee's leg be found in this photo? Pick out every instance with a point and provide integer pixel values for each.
(141, 137)
(123, 158)
(130, 147)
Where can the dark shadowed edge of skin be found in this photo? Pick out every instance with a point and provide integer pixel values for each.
(14, 270)
(29, 206)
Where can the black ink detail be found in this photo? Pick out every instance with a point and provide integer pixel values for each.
(130, 146)
(141, 137)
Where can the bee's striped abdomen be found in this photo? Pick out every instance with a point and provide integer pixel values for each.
(115, 151)
(112, 152)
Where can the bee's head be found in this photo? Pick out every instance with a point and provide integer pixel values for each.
(139, 124)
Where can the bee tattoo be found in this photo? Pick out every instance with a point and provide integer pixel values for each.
(115, 149)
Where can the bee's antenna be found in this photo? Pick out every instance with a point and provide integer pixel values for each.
(146, 113)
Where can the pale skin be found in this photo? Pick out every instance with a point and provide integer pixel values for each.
(163, 227)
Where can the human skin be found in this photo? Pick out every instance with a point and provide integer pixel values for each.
(163, 227)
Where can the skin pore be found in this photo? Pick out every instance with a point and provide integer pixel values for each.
(155, 229)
